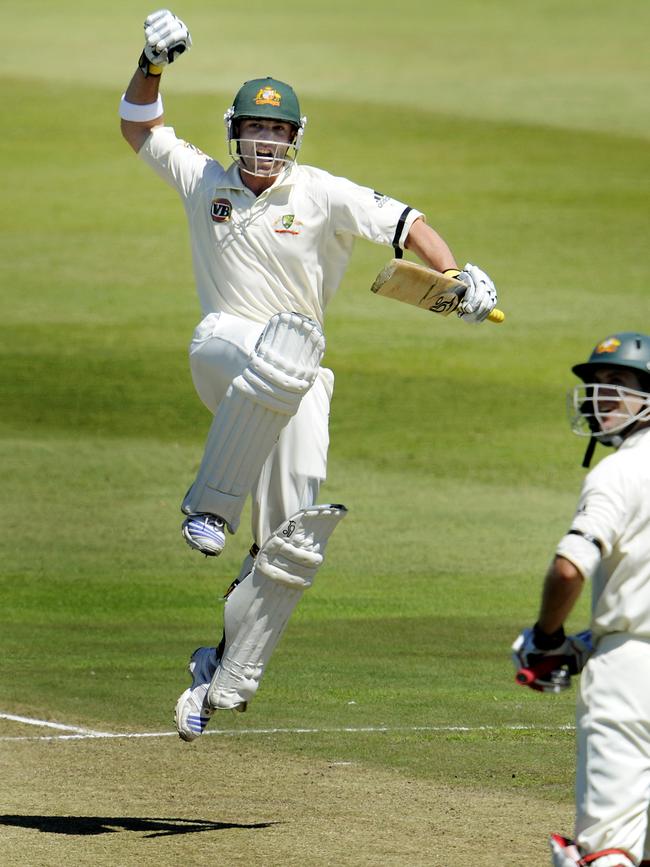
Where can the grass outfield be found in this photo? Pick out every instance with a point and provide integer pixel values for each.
(526, 146)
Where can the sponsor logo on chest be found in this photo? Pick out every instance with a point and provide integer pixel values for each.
(220, 210)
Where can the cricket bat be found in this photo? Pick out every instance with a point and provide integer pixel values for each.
(423, 287)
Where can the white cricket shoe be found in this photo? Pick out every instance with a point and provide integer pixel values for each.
(193, 712)
(205, 533)
(564, 852)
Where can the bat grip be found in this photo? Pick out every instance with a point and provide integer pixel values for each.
(526, 676)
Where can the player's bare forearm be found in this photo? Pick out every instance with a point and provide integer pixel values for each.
(429, 247)
(141, 91)
(562, 587)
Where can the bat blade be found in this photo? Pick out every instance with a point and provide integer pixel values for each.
(423, 287)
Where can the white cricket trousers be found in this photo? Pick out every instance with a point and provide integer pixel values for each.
(613, 727)
(221, 347)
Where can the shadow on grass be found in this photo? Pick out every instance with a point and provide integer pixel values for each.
(90, 825)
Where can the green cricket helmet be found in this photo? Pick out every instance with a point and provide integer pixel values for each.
(268, 99)
(629, 349)
(607, 413)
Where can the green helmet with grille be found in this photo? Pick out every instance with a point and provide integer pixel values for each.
(266, 99)
(608, 412)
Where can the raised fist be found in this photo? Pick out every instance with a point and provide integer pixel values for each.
(166, 37)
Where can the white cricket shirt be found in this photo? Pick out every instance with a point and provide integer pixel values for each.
(614, 508)
(286, 249)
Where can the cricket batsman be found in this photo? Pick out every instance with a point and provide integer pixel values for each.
(271, 240)
(608, 544)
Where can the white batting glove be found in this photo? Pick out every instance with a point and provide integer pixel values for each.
(481, 296)
(166, 37)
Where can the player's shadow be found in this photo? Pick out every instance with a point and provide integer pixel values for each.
(151, 827)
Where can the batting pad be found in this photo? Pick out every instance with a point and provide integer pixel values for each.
(256, 407)
(258, 609)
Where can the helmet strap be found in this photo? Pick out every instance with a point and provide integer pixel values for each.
(591, 446)
(615, 441)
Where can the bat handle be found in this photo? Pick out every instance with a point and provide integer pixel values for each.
(526, 676)
(497, 316)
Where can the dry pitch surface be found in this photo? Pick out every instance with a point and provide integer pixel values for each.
(239, 801)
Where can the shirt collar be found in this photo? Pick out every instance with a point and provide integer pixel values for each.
(635, 437)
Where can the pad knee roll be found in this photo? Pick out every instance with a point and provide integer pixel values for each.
(257, 406)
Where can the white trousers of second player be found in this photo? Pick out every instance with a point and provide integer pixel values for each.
(221, 347)
(613, 725)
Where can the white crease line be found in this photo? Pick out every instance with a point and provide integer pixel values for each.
(30, 721)
(88, 734)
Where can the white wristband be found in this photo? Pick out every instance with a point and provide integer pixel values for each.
(141, 113)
